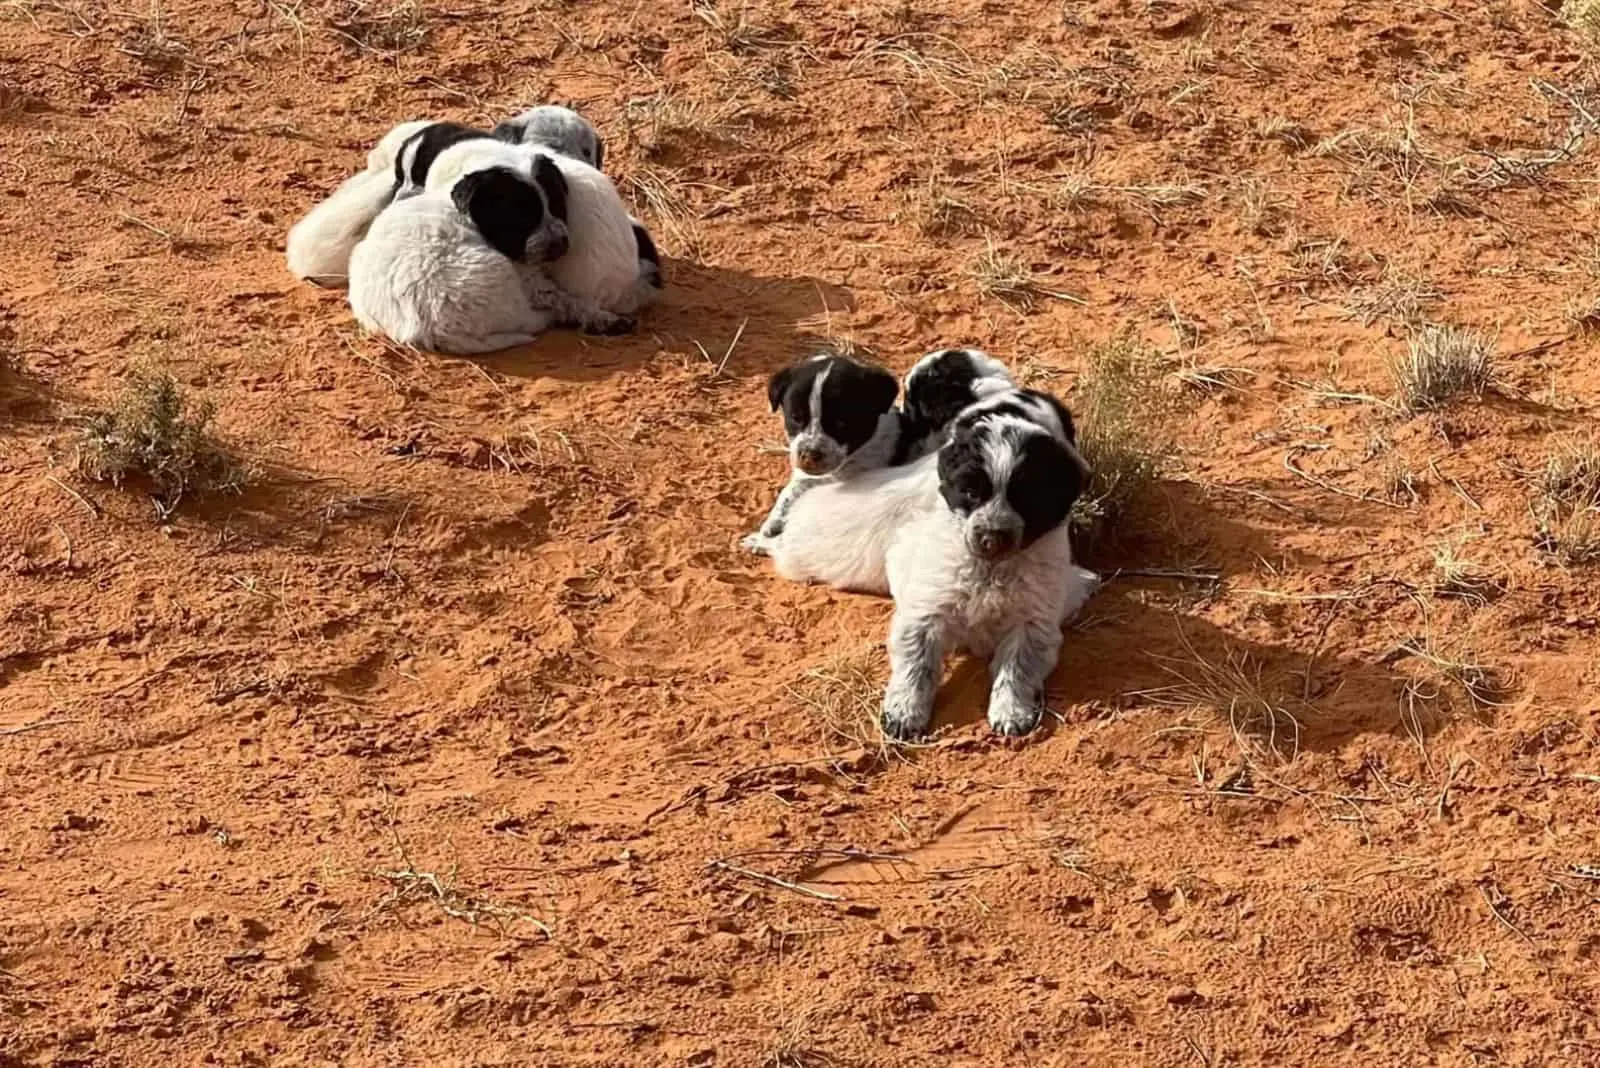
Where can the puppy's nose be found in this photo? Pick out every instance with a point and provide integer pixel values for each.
(996, 543)
(811, 461)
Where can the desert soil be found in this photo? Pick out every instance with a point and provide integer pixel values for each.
(465, 735)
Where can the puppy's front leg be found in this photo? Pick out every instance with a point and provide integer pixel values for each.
(760, 542)
(1023, 660)
(916, 654)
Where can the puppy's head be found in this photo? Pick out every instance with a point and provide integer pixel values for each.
(417, 154)
(1010, 472)
(512, 213)
(558, 128)
(945, 381)
(831, 407)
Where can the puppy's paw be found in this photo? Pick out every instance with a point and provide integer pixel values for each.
(905, 715)
(758, 543)
(1011, 716)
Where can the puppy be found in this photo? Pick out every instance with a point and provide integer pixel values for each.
(612, 272)
(989, 569)
(460, 268)
(841, 422)
(840, 419)
(416, 156)
(319, 245)
(558, 128)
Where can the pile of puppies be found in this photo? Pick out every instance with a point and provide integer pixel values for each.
(464, 241)
(956, 505)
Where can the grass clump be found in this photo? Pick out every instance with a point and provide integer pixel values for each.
(1442, 363)
(1122, 404)
(155, 433)
(1583, 15)
(1566, 505)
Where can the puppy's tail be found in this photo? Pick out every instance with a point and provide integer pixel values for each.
(319, 245)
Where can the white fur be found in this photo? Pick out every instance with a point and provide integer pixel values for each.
(603, 267)
(1009, 611)
(838, 533)
(319, 245)
(425, 277)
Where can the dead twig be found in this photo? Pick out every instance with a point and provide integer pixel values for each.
(1294, 469)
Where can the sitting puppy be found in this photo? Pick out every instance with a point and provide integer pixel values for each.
(989, 569)
(841, 422)
(319, 245)
(558, 128)
(461, 267)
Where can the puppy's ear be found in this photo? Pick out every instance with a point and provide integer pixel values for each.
(509, 130)
(599, 153)
(882, 387)
(547, 174)
(778, 385)
(504, 208)
(1065, 417)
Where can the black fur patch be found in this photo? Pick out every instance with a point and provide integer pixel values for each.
(650, 257)
(854, 397)
(599, 153)
(547, 173)
(964, 479)
(1043, 485)
(939, 389)
(416, 155)
(505, 209)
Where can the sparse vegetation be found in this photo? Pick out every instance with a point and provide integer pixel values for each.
(1006, 278)
(842, 697)
(386, 26)
(1566, 504)
(1582, 15)
(1440, 364)
(1258, 717)
(156, 433)
(1122, 406)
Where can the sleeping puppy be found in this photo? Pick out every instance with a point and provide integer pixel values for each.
(461, 267)
(319, 245)
(841, 422)
(612, 272)
(558, 128)
(989, 568)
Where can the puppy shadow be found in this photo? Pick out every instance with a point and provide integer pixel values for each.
(1132, 649)
(746, 324)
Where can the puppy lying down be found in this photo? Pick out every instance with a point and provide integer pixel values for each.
(974, 545)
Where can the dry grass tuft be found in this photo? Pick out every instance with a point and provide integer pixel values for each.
(149, 41)
(1583, 15)
(1396, 296)
(659, 122)
(662, 192)
(1584, 314)
(384, 26)
(1262, 726)
(1566, 504)
(1461, 577)
(1006, 278)
(843, 697)
(155, 433)
(1262, 210)
(1123, 406)
(1445, 669)
(1442, 363)
(796, 1045)
(1287, 132)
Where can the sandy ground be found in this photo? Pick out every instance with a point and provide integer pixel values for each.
(466, 735)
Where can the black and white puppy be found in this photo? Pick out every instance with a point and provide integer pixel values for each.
(841, 421)
(990, 569)
(559, 128)
(464, 266)
(840, 418)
